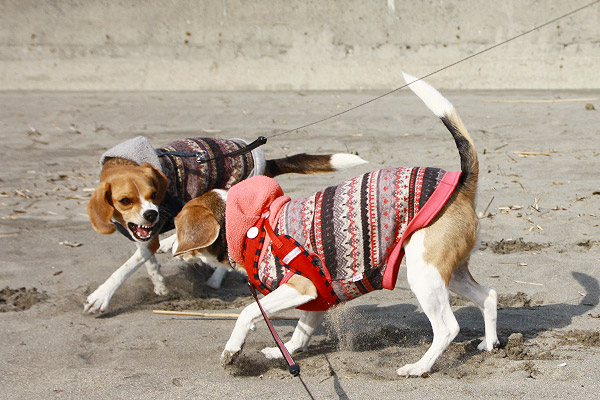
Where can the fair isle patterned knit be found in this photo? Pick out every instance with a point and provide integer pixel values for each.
(353, 227)
(189, 179)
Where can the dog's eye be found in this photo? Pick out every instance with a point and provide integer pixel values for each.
(125, 201)
(153, 196)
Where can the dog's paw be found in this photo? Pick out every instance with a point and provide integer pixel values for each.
(412, 370)
(272, 353)
(159, 283)
(167, 244)
(97, 301)
(229, 356)
(488, 346)
(160, 289)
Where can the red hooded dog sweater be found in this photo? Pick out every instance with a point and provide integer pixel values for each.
(354, 230)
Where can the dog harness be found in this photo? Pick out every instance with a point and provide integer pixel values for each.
(187, 178)
(347, 238)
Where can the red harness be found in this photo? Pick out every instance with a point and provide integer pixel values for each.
(292, 256)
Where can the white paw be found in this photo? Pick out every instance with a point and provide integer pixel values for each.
(411, 370)
(159, 283)
(160, 289)
(485, 346)
(272, 353)
(166, 245)
(228, 356)
(97, 301)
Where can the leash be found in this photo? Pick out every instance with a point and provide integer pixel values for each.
(293, 367)
(201, 155)
(437, 70)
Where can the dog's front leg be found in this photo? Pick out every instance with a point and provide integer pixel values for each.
(167, 243)
(302, 334)
(100, 298)
(282, 298)
(217, 277)
(153, 268)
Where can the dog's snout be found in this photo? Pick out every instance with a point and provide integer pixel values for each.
(150, 215)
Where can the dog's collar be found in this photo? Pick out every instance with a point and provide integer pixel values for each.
(122, 230)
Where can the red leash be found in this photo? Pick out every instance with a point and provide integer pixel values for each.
(292, 366)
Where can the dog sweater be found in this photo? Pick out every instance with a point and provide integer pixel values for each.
(356, 229)
(187, 178)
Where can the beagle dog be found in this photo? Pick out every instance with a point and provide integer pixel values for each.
(142, 189)
(349, 239)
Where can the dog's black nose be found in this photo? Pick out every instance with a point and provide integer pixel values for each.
(150, 215)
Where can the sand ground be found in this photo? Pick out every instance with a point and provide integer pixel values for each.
(540, 249)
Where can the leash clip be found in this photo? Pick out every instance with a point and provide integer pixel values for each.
(201, 157)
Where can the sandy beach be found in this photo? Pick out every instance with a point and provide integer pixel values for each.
(539, 202)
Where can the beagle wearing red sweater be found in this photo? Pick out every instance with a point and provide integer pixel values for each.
(349, 239)
(142, 189)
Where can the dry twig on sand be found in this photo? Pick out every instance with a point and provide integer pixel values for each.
(210, 315)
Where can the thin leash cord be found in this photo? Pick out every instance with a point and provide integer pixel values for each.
(275, 336)
(306, 388)
(436, 71)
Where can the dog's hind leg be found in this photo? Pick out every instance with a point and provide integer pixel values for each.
(216, 279)
(302, 334)
(428, 285)
(486, 299)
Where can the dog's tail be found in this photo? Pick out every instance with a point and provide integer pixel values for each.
(441, 107)
(311, 164)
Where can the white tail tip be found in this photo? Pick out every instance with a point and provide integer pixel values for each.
(433, 99)
(343, 161)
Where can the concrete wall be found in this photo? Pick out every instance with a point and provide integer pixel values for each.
(293, 44)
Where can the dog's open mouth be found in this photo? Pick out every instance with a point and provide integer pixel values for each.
(141, 232)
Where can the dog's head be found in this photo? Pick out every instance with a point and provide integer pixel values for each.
(129, 195)
(200, 228)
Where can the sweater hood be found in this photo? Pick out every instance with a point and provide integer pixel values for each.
(247, 201)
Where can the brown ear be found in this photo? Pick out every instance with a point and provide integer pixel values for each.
(100, 210)
(160, 180)
(196, 227)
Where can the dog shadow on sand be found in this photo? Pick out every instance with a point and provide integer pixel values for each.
(526, 319)
(403, 329)
(187, 291)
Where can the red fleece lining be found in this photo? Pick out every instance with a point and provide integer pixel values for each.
(434, 204)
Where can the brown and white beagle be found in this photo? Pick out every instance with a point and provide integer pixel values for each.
(349, 239)
(141, 190)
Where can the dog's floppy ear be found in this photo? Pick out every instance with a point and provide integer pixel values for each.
(100, 210)
(196, 226)
(160, 180)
